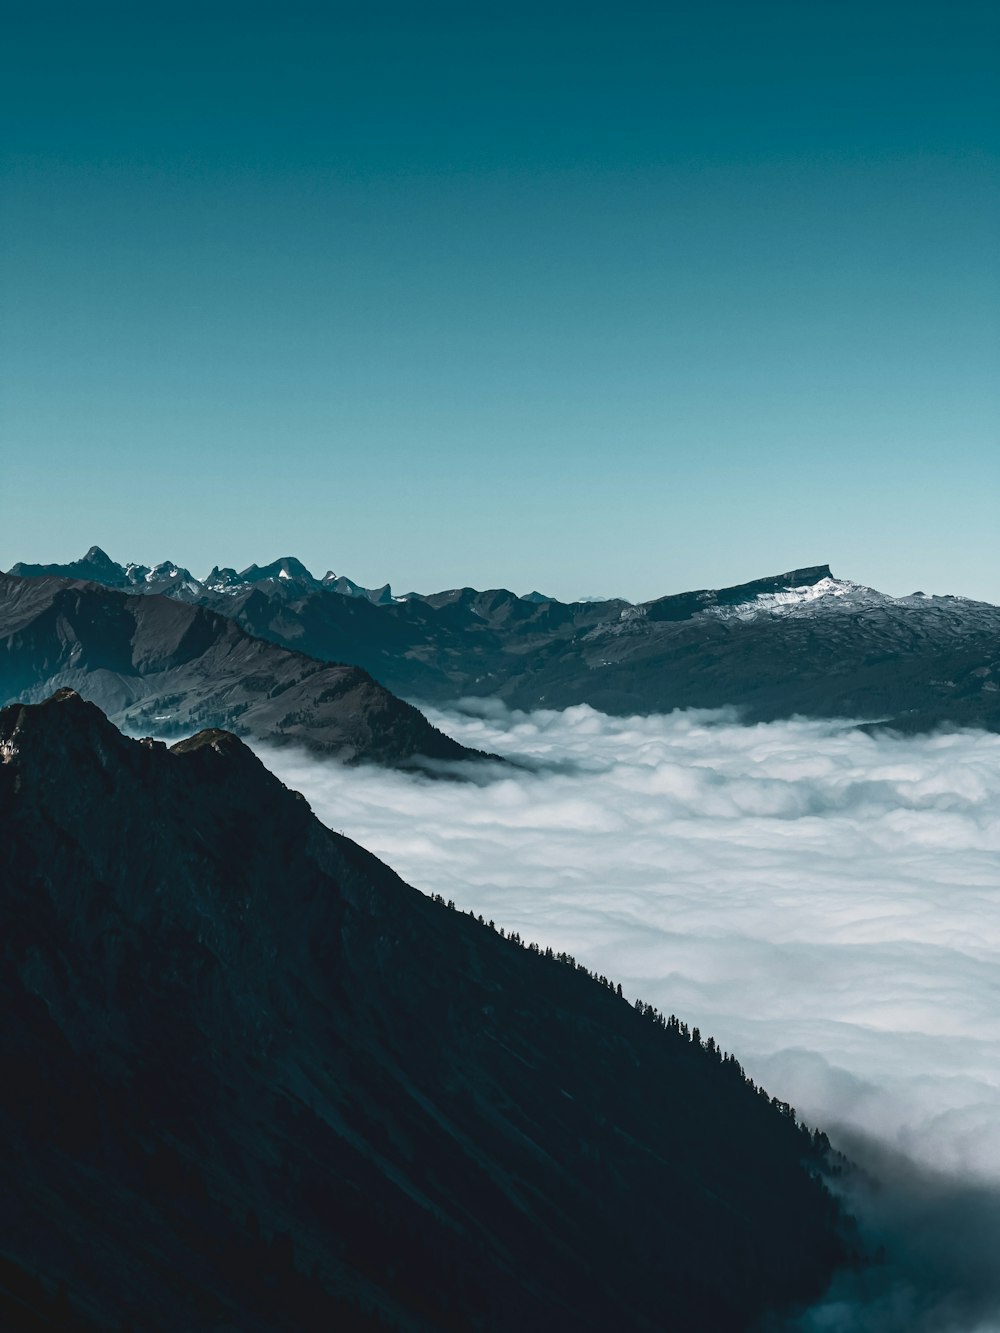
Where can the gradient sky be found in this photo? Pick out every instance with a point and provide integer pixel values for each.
(609, 299)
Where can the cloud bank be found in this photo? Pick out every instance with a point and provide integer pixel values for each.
(824, 902)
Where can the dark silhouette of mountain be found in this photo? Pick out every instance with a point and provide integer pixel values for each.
(96, 565)
(253, 1081)
(287, 568)
(802, 642)
(158, 665)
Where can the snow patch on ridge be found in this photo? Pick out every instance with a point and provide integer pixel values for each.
(798, 598)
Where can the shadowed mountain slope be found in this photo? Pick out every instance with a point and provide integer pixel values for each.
(158, 665)
(253, 1081)
(800, 642)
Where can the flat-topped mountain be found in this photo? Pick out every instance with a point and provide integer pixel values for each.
(253, 1081)
(801, 642)
(161, 666)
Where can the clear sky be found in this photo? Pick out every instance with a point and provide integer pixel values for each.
(607, 298)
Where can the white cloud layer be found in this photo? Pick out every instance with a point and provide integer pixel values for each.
(824, 902)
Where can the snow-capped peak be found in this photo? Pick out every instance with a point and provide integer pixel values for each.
(799, 598)
(166, 570)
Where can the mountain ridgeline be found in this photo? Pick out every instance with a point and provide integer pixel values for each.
(253, 1081)
(165, 667)
(802, 642)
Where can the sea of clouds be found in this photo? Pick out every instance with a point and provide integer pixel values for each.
(825, 902)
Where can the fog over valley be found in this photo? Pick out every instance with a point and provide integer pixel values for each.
(820, 900)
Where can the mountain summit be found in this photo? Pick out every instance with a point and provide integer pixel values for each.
(287, 567)
(96, 565)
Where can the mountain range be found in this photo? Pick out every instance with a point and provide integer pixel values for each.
(161, 666)
(802, 642)
(254, 1082)
(98, 567)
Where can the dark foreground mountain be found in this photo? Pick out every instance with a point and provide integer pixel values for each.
(254, 1082)
(157, 665)
(802, 642)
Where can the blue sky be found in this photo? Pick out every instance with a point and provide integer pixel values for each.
(601, 299)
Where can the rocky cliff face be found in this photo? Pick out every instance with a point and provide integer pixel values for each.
(160, 666)
(253, 1081)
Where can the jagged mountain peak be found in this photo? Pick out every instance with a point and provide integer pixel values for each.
(285, 567)
(168, 569)
(97, 556)
(63, 708)
(96, 566)
(223, 579)
(60, 732)
(340, 583)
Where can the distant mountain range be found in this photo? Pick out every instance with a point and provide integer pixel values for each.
(176, 581)
(252, 1081)
(802, 642)
(98, 567)
(162, 667)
